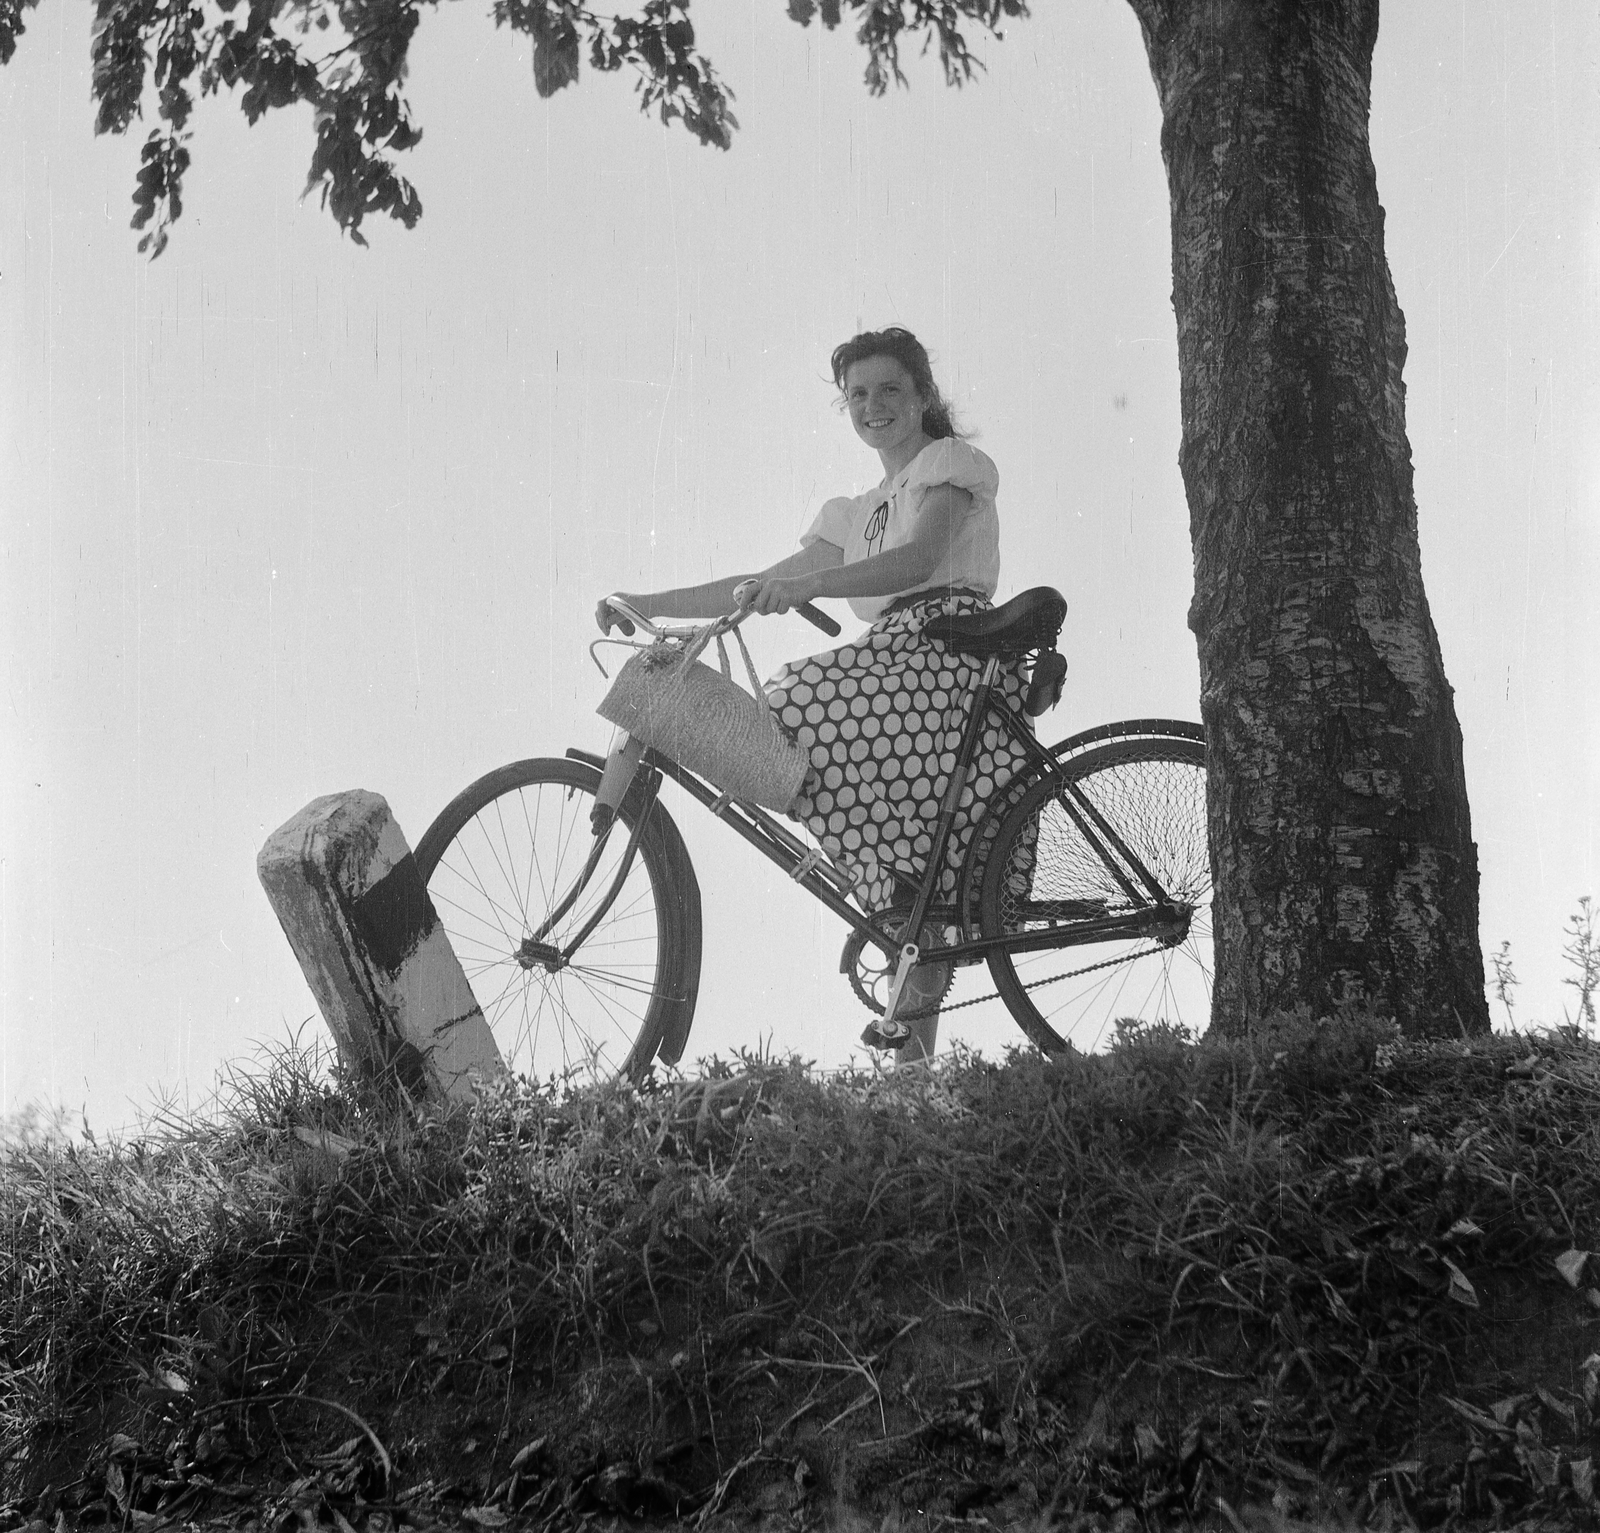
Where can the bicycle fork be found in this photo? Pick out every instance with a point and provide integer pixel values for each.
(622, 765)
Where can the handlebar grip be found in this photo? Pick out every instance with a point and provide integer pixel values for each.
(622, 622)
(819, 618)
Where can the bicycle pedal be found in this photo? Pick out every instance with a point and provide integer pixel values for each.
(879, 1034)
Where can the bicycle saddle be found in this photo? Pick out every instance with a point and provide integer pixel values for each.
(1031, 620)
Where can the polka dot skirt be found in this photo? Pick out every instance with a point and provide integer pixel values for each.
(882, 719)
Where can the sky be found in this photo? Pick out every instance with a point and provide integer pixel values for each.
(282, 516)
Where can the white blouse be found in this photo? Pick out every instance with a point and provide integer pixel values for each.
(881, 519)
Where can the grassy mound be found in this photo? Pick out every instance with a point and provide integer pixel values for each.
(1322, 1272)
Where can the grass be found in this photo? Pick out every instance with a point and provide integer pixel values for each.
(1321, 1273)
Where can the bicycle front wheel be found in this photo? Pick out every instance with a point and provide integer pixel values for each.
(1042, 875)
(502, 858)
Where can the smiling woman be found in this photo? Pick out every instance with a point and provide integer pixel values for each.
(881, 717)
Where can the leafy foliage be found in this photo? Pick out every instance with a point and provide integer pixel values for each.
(11, 25)
(347, 59)
(881, 24)
(1323, 1261)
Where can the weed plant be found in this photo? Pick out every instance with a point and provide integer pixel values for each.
(1319, 1266)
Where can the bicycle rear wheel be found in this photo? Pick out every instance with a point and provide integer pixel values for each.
(1042, 874)
(501, 857)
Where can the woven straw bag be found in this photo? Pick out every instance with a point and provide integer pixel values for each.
(707, 722)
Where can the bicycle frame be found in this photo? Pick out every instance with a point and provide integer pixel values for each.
(807, 866)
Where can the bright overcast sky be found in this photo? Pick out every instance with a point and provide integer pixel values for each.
(283, 516)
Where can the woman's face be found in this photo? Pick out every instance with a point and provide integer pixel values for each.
(885, 407)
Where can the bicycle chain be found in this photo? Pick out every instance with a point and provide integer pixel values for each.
(1088, 968)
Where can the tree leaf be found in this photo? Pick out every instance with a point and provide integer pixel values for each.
(119, 57)
(555, 61)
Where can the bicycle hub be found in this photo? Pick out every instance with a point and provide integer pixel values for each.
(540, 954)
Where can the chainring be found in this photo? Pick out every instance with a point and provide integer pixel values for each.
(871, 970)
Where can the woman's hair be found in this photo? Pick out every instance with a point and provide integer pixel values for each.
(912, 355)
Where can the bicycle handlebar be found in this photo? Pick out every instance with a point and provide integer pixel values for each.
(628, 618)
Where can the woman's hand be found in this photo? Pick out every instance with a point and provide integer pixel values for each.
(606, 615)
(782, 593)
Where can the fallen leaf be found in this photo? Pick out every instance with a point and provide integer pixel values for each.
(1583, 1479)
(527, 1452)
(1461, 1289)
(1505, 1409)
(325, 1140)
(1560, 1407)
(1593, 1296)
(1570, 1265)
(1148, 1441)
(117, 1485)
(486, 1516)
(1543, 1464)
(1591, 1379)
(1464, 1227)
(1474, 1417)
(1094, 1434)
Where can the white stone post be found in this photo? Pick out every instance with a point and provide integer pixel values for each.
(352, 903)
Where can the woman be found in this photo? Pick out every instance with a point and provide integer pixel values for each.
(881, 717)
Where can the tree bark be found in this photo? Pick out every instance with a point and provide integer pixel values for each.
(1346, 874)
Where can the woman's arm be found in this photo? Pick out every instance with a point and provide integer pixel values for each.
(886, 574)
(715, 597)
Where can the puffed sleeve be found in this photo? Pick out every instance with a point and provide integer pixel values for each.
(831, 524)
(952, 461)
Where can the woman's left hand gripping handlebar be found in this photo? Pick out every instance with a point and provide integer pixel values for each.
(605, 614)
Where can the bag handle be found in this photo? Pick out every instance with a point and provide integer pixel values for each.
(750, 669)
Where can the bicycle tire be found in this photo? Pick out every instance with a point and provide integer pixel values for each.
(1151, 787)
(499, 855)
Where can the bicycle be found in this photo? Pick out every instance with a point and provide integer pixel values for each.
(582, 945)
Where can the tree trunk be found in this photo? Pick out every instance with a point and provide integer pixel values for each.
(1346, 874)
